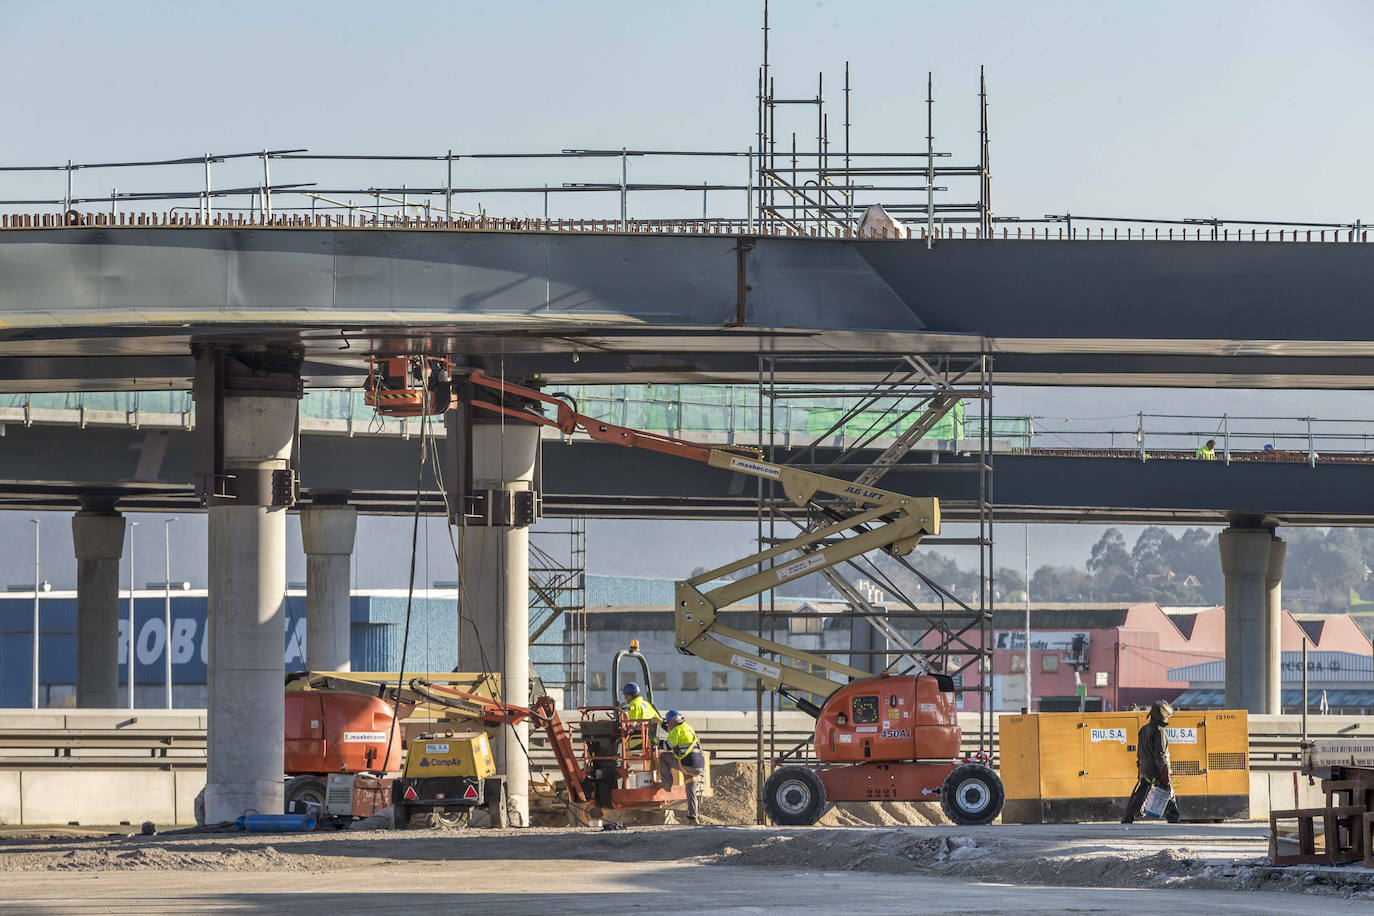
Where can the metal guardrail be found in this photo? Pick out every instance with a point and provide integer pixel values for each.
(303, 218)
(730, 415)
(822, 198)
(1274, 742)
(102, 748)
(1236, 438)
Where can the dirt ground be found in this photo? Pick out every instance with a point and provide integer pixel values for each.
(735, 787)
(996, 869)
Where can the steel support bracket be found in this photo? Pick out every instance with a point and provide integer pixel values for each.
(484, 508)
(223, 373)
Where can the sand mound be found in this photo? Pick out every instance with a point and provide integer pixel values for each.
(735, 789)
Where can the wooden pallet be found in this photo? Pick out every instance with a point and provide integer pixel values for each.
(1344, 835)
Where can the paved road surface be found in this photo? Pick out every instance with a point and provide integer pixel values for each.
(683, 870)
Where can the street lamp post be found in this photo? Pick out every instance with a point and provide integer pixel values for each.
(37, 585)
(167, 605)
(1030, 703)
(132, 631)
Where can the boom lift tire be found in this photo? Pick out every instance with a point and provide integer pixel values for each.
(794, 797)
(972, 795)
(305, 789)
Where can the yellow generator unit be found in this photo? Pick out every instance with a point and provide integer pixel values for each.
(1063, 768)
(449, 755)
(444, 777)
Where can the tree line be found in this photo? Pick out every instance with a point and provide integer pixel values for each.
(1324, 570)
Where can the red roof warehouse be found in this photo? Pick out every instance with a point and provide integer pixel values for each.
(1122, 654)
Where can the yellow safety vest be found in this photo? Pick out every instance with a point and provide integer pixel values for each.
(640, 708)
(682, 739)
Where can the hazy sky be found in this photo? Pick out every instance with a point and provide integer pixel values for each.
(1167, 109)
(1240, 109)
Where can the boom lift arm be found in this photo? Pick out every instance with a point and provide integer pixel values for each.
(868, 519)
(882, 520)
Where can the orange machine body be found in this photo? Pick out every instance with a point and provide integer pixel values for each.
(407, 386)
(888, 719)
(337, 732)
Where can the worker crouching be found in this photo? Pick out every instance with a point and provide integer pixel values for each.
(682, 752)
(1152, 763)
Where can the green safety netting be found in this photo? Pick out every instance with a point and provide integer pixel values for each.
(127, 401)
(661, 408)
(711, 408)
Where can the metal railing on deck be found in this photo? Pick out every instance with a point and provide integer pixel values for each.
(1236, 438)
(751, 195)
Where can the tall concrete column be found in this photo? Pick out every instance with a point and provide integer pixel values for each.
(1252, 561)
(495, 586)
(255, 430)
(327, 533)
(98, 537)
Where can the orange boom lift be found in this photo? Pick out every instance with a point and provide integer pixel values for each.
(890, 737)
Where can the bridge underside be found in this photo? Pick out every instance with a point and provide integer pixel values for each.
(114, 309)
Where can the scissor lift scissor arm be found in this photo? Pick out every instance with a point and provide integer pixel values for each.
(874, 519)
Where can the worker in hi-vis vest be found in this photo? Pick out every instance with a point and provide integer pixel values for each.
(682, 752)
(1207, 452)
(638, 709)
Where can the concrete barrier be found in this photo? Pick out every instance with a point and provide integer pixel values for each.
(103, 766)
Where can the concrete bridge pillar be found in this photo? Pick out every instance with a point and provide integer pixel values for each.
(327, 533)
(494, 580)
(1252, 561)
(246, 404)
(98, 538)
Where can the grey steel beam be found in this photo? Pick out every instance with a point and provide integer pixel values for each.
(682, 308)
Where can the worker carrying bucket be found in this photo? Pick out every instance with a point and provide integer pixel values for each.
(1152, 763)
(682, 752)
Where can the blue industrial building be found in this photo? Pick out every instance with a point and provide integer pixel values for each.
(378, 620)
(378, 626)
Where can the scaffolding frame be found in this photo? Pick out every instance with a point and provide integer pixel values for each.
(558, 594)
(803, 191)
(951, 634)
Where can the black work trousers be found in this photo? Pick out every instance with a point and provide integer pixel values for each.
(1137, 801)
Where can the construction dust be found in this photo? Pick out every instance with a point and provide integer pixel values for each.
(735, 788)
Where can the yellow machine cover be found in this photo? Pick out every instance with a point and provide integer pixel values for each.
(465, 754)
(1083, 766)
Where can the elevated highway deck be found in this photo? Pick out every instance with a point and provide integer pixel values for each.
(151, 469)
(118, 307)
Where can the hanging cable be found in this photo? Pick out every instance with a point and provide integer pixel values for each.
(410, 589)
(459, 548)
